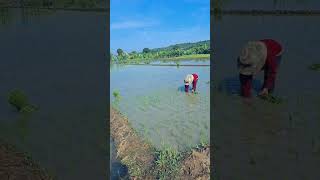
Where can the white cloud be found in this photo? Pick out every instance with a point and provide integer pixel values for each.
(132, 24)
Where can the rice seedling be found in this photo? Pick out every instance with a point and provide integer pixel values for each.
(315, 67)
(19, 100)
(203, 139)
(116, 94)
(272, 99)
(167, 162)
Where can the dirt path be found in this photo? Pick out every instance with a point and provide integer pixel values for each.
(15, 165)
(139, 157)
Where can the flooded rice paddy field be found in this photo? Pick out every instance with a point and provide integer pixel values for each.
(258, 139)
(183, 62)
(40, 56)
(156, 105)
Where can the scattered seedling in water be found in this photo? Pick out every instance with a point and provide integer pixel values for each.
(315, 67)
(178, 64)
(272, 99)
(167, 162)
(19, 100)
(116, 95)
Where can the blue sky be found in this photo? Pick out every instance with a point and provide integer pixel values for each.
(136, 24)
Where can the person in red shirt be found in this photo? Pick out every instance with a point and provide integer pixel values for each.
(263, 55)
(191, 79)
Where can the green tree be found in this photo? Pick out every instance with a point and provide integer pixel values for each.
(146, 50)
(120, 52)
(175, 47)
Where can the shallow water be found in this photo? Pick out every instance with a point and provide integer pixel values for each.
(258, 139)
(153, 99)
(45, 56)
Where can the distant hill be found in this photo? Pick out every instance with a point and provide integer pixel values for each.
(183, 46)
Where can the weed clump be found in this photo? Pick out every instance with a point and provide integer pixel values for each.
(19, 100)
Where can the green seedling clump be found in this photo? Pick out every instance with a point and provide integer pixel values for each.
(19, 100)
(272, 99)
(203, 140)
(116, 94)
(315, 67)
(167, 162)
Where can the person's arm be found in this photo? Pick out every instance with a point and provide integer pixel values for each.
(246, 85)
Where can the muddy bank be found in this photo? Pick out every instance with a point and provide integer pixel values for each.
(140, 157)
(15, 165)
(130, 149)
(196, 165)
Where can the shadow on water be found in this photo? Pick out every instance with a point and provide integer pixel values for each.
(118, 170)
(5, 15)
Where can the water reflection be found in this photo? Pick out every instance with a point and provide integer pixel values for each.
(23, 15)
(5, 15)
(22, 127)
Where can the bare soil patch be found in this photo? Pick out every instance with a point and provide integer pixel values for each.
(196, 165)
(15, 165)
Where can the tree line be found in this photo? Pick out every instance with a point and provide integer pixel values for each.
(202, 47)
